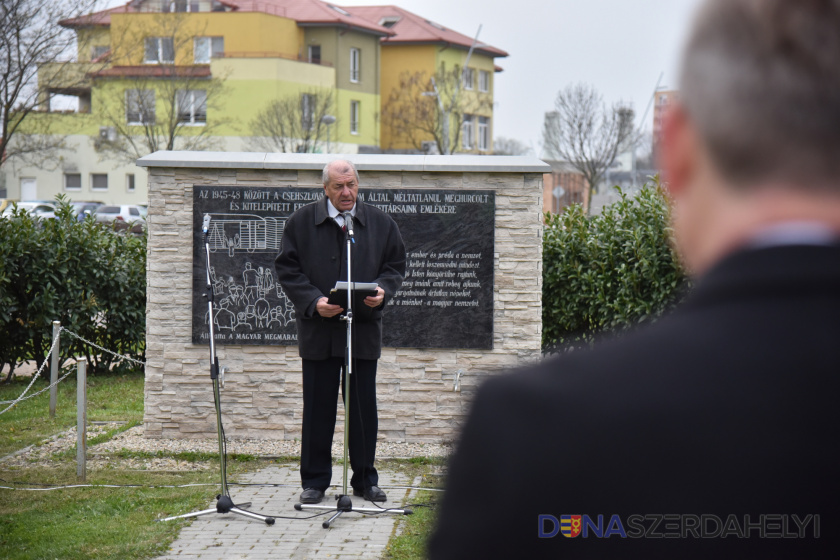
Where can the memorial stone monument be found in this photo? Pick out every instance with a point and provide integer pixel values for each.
(469, 306)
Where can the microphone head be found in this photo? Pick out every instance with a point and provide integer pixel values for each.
(206, 226)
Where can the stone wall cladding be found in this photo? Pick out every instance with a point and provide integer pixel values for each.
(262, 396)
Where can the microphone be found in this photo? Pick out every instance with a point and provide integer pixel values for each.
(348, 221)
(206, 227)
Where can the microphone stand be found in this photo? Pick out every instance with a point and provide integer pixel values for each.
(224, 503)
(345, 503)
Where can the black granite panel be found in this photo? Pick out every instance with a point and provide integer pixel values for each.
(446, 300)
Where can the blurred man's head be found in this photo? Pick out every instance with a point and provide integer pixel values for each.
(756, 136)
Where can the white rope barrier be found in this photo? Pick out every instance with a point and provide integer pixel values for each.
(89, 343)
(35, 376)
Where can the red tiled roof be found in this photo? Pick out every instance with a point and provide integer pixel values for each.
(311, 12)
(305, 12)
(154, 71)
(96, 18)
(411, 28)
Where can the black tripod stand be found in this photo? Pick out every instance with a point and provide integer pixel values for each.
(345, 504)
(224, 503)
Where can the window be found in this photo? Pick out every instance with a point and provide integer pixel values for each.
(467, 133)
(180, 6)
(98, 50)
(205, 48)
(354, 117)
(72, 181)
(483, 81)
(355, 60)
(315, 54)
(389, 21)
(469, 77)
(483, 133)
(307, 109)
(159, 50)
(140, 106)
(98, 181)
(129, 182)
(192, 106)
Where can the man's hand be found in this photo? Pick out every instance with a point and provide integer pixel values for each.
(375, 301)
(325, 309)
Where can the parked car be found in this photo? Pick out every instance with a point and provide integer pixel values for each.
(122, 216)
(81, 208)
(37, 209)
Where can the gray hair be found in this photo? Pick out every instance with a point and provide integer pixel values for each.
(761, 82)
(345, 167)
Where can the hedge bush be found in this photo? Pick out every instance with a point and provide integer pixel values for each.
(88, 277)
(607, 272)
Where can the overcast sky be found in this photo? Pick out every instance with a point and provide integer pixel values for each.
(619, 46)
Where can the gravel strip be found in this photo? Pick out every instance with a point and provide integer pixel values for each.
(99, 456)
(133, 440)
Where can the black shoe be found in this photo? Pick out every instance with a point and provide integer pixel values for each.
(372, 494)
(311, 496)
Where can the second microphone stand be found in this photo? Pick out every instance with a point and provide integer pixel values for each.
(345, 503)
(224, 503)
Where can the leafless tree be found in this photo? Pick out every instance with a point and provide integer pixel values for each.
(510, 147)
(161, 105)
(31, 38)
(587, 134)
(294, 123)
(427, 108)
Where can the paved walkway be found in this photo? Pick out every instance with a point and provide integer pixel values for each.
(232, 537)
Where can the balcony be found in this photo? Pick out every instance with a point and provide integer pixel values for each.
(67, 78)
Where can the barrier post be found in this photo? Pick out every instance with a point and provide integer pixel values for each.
(54, 368)
(81, 420)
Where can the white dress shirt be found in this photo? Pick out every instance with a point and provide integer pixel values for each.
(336, 215)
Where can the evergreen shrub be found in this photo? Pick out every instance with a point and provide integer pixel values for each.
(88, 277)
(608, 272)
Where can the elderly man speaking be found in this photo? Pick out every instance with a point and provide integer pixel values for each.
(310, 262)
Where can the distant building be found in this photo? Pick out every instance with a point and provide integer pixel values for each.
(663, 100)
(562, 187)
(421, 45)
(131, 59)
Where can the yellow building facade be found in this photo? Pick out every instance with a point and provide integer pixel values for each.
(464, 69)
(203, 75)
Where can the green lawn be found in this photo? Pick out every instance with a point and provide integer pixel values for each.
(410, 544)
(414, 529)
(102, 523)
(119, 523)
(86, 522)
(118, 397)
